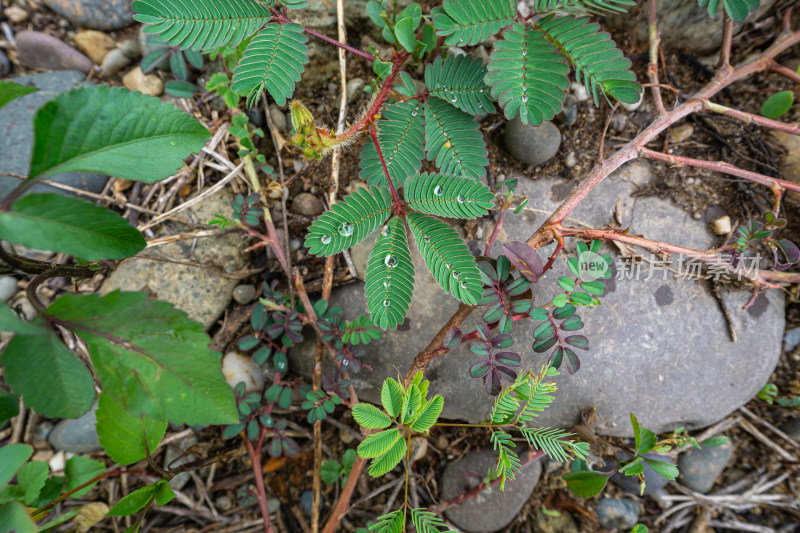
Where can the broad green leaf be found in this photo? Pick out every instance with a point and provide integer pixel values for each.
(714, 441)
(123, 435)
(164, 493)
(10, 90)
(663, 468)
(150, 357)
(31, 478)
(113, 131)
(9, 406)
(330, 471)
(71, 226)
(428, 415)
(778, 104)
(64, 390)
(10, 322)
(586, 484)
(15, 519)
(392, 396)
(12, 457)
(370, 417)
(404, 30)
(644, 438)
(134, 501)
(79, 470)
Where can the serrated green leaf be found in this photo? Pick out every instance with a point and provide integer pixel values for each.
(400, 136)
(69, 225)
(65, 390)
(108, 129)
(150, 357)
(134, 501)
(459, 81)
(447, 195)
(274, 60)
(370, 417)
(389, 276)
(10, 322)
(15, 519)
(31, 478)
(447, 257)
(10, 90)
(349, 221)
(79, 470)
(204, 25)
(123, 435)
(428, 415)
(453, 140)
(392, 396)
(12, 458)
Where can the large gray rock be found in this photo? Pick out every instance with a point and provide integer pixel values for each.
(683, 24)
(40, 50)
(195, 283)
(16, 133)
(658, 347)
(491, 509)
(95, 14)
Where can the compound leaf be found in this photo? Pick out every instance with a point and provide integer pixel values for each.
(389, 277)
(427, 522)
(400, 136)
(428, 415)
(201, 24)
(582, 7)
(453, 140)
(392, 396)
(528, 75)
(69, 225)
(150, 357)
(386, 462)
(350, 221)
(274, 60)
(598, 63)
(113, 131)
(389, 523)
(370, 417)
(123, 435)
(447, 195)
(468, 22)
(447, 257)
(48, 376)
(459, 80)
(736, 9)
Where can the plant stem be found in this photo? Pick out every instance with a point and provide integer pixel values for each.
(727, 41)
(496, 230)
(652, 68)
(398, 206)
(261, 492)
(749, 118)
(284, 20)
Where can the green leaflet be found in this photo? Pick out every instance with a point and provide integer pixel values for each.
(370, 417)
(12, 458)
(108, 129)
(69, 225)
(427, 522)
(448, 196)
(389, 276)
(582, 7)
(10, 322)
(392, 396)
(64, 390)
(736, 9)
(528, 75)
(150, 357)
(388, 460)
(459, 80)
(123, 435)
(468, 22)
(349, 222)
(80, 470)
(447, 257)
(202, 24)
(10, 91)
(377, 444)
(15, 519)
(453, 140)
(273, 60)
(598, 63)
(428, 414)
(390, 523)
(400, 135)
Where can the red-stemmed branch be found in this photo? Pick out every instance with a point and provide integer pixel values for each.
(749, 118)
(397, 205)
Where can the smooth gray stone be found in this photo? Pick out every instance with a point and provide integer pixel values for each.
(95, 14)
(532, 145)
(16, 133)
(701, 468)
(77, 435)
(43, 51)
(659, 348)
(491, 510)
(8, 287)
(617, 513)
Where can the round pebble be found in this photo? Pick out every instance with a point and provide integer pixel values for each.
(114, 61)
(95, 14)
(700, 468)
(239, 368)
(617, 513)
(244, 294)
(307, 204)
(8, 287)
(532, 145)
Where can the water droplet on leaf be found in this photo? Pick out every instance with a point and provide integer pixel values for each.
(463, 284)
(390, 261)
(438, 190)
(460, 199)
(346, 229)
(524, 52)
(524, 98)
(385, 231)
(325, 239)
(387, 303)
(456, 274)
(427, 238)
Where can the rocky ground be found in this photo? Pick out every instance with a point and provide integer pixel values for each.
(676, 351)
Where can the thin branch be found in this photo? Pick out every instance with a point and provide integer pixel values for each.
(786, 72)
(727, 41)
(652, 68)
(395, 197)
(255, 459)
(749, 118)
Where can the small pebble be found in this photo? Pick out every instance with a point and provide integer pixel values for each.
(307, 500)
(95, 44)
(532, 145)
(700, 468)
(40, 434)
(569, 112)
(40, 50)
(295, 245)
(114, 61)
(8, 287)
(130, 47)
(256, 117)
(94, 14)
(223, 503)
(618, 123)
(617, 513)
(77, 436)
(680, 133)
(58, 462)
(579, 91)
(353, 87)
(16, 14)
(239, 368)
(278, 118)
(149, 84)
(26, 308)
(273, 504)
(571, 160)
(722, 225)
(307, 204)
(346, 437)
(791, 339)
(244, 294)
(173, 459)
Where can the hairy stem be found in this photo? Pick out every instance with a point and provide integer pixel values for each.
(398, 206)
(261, 492)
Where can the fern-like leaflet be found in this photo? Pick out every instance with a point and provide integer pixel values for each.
(581, 7)
(400, 135)
(468, 22)
(459, 80)
(453, 140)
(202, 24)
(736, 9)
(389, 276)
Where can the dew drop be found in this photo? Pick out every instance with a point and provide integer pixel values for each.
(172, 143)
(524, 98)
(411, 411)
(463, 284)
(387, 303)
(280, 365)
(460, 199)
(427, 238)
(325, 239)
(524, 88)
(390, 261)
(480, 105)
(346, 229)
(449, 266)
(387, 284)
(438, 190)
(524, 52)
(385, 231)
(480, 91)
(345, 362)
(456, 274)
(453, 99)
(414, 113)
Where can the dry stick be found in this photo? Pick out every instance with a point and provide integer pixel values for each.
(750, 428)
(327, 280)
(652, 68)
(749, 118)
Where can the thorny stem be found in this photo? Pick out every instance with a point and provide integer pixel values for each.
(255, 458)
(397, 206)
(496, 230)
(652, 68)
